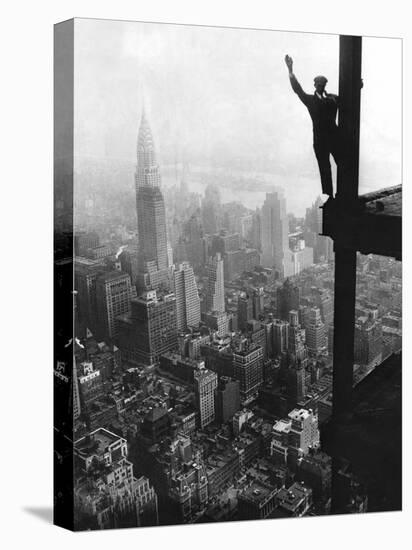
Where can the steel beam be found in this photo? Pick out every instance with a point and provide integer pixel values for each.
(347, 193)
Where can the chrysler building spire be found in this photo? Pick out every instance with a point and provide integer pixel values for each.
(147, 172)
(151, 214)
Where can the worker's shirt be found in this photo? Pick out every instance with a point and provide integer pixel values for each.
(322, 110)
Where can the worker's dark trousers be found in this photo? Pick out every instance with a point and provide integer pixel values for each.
(323, 150)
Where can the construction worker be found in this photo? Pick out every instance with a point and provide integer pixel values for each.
(322, 108)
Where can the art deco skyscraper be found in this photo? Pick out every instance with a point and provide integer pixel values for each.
(275, 234)
(215, 293)
(147, 172)
(151, 214)
(187, 297)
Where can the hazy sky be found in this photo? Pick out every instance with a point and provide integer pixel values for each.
(218, 96)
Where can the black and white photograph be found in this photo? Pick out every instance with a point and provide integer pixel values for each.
(205, 295)
(235, 270)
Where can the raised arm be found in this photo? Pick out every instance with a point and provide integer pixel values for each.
(296, 87)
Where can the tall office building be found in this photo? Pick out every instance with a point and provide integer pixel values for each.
(193, 243)
(215, 292)
(187, 297)
(315, 332)
(238, 261)
(151, 214)
(322, 246)
(296, 436)
(288, 296)
(248, 369)
(244, 310)
(149, 330)
(217, 322)
(324, 301)
(301, 257)
(113, 298)
(296, 341)
(129, 261)
(304, 433)
(256, 232)
(227, 398)
(147, 170)
(368, 341)
(258, 302)
(295, 384)
(205, 385)
(275, 234)
(280, 337)
(225, 242)
(211, 210)
(86, 273)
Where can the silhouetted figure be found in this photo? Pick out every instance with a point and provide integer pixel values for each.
(322, 108)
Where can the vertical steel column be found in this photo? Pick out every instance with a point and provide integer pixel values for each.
(345, 255)
(350, 66)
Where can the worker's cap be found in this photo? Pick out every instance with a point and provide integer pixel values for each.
(321, 79)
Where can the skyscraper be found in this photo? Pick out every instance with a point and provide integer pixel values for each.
(322, 246)
(304, 433)
(301, 257)
(211, 210)
(215, 292)
(244, 310)
(193, 243)
(248, 369)
(258, 302)
(151, 214)
(187, 297)
(205, 385)
(113, 298)
(324, 301)
(368, 341)
(86, 273)
(295, 384)
(256, 232)
(288, 296)
(275, 234)
(227, 398)
(315, 332)
(280, 337)
(149, 330)
(296, 342)
(147, 171)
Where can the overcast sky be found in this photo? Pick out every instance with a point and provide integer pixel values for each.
(222, 96)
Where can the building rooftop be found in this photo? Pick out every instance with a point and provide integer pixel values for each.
(155, 413)
(112, 276)
(291, 498)
(299, 414)
(282, 426)
(257, 492)
(97, 442)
